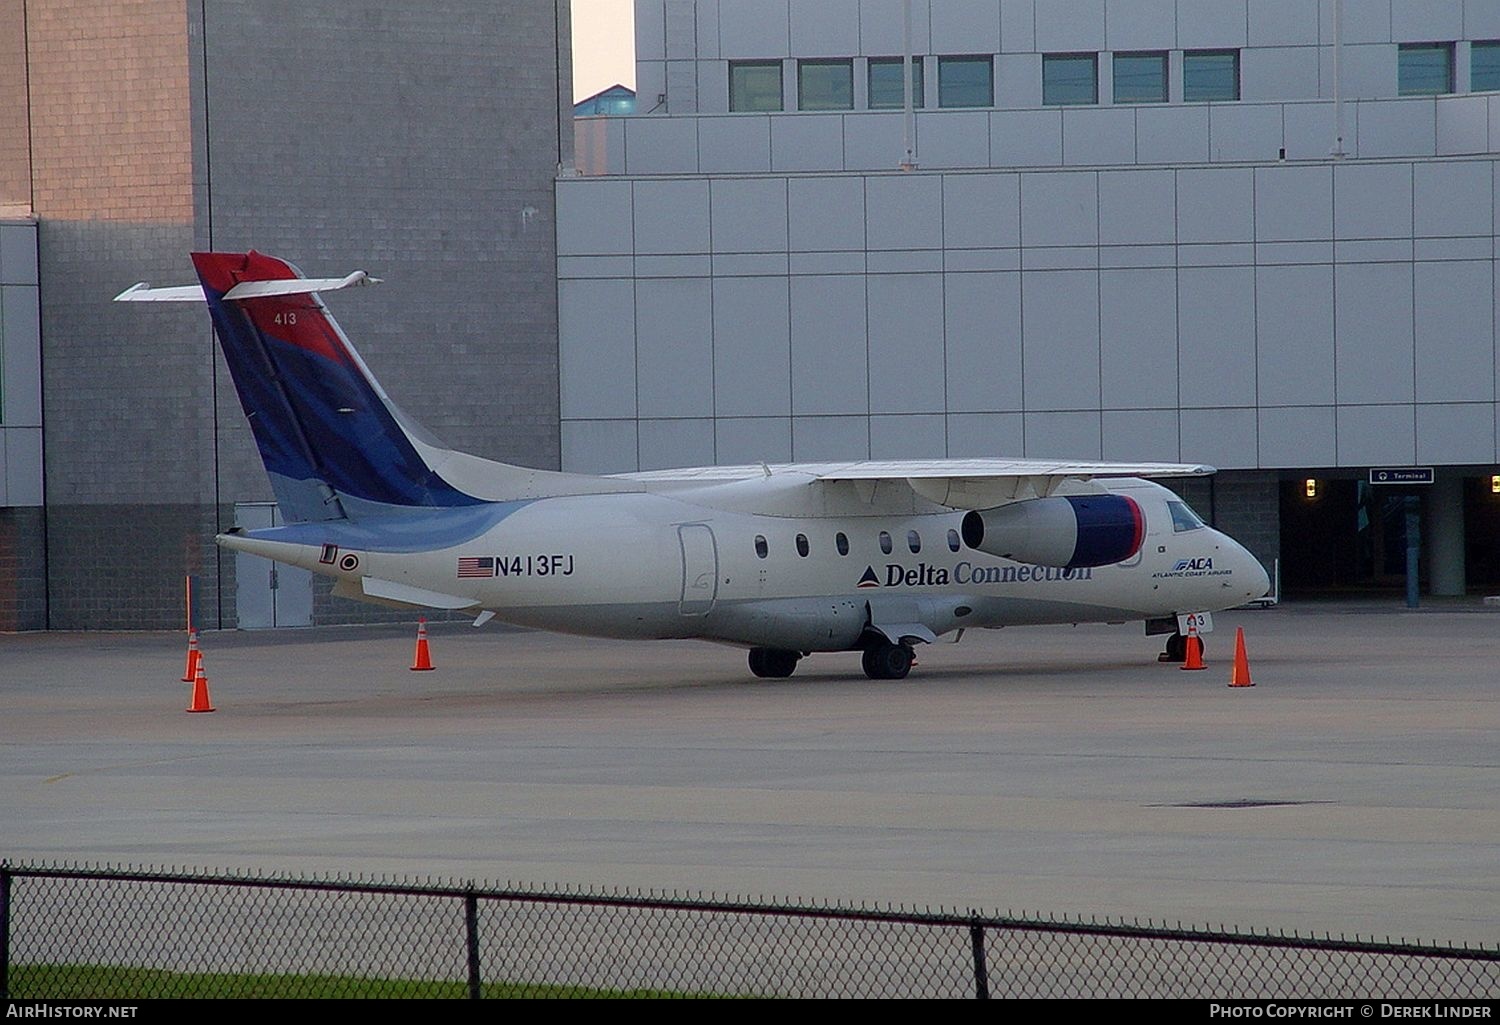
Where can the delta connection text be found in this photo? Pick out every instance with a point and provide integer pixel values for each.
(1369, 1009)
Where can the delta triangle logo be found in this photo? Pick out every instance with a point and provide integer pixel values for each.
(869, 579)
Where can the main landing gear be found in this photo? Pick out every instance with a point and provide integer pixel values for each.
(773, 663)
(887, 661)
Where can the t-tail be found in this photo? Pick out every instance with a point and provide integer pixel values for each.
(333, 443)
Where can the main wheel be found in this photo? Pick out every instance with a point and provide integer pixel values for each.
(773, 663)
(888, 661)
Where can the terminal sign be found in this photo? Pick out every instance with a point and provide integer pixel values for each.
(1402, 475)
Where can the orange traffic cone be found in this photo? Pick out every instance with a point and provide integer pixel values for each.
(1194, 658)
(194, 656)
(1239, 676)
(422, 662)
(201, 702)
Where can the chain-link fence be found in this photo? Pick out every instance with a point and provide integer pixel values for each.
(69, 932)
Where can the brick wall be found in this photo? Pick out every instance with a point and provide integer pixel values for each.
(23, 570)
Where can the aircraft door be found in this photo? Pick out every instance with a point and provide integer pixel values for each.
(700, 569)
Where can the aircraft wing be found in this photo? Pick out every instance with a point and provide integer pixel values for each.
(956, 483)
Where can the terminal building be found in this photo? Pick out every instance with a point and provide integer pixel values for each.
(1120, 229)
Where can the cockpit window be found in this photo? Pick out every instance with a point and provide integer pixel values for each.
(1183, 518)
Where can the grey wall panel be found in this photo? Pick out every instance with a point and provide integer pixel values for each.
(712, 87)
(1018, 26)
(829, 354)
(824, 28)
(820, 438)
(1463, 125)
(1140, 25)
(1060, 317)
(1026, 138)
(1137, 207)
(752, 347)
(599, 446)
(954, 138)
(674, 347)
(682, 87)
(1171, 135)
(737, 144)
(906, 354)
(904, 211)
(755, 29)
(661, 145)
(881, 27)
(18, 254)
(1099, 135)
(650, 81)
(1210, 23)
(23, 466)
(749, 215)
(1396, 128)
(1454, 198)
(1063, 436)
(20, 356)
(1018, 79)
(983, 349)
(1376, 353)
(1060, 208)
(1481, 19)
(1279, 73)
(4, 464)
(1215, 332)
(904, 261)
(1417, 20)
(981, 210)
(650, 31)
(1216, 205)
(1282, 23)
(914, 436)
(1297, 436)
(1369, 72)
(985, 435)
(826, 214)
(1365, 21)
(1376, 435)
(1294, 335)
(1372, 200)
(740, 440)
(1308, 130)
(594, 217)
(596, 325)
(1066, 25)
(1293, 203)
(671, 216)
(1145, 435)
(666, 444)
(874, 141)
(827, 263)
(1243, 133)
(1456, 433)
(1455, 332)
(965, 28)
(1138, 343)
(807, 142)
(707, 18)
(1225, 438)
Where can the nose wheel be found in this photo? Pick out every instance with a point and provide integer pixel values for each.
(1177, 649)
(886, 661)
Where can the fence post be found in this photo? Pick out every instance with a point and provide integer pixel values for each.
(4, 933)
(471, 932)
(981, 969)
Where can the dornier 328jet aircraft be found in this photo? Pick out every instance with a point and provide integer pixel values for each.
(783, 560)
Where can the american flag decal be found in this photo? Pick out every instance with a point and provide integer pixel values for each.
(480, 567)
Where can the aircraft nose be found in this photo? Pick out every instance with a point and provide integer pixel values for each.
(1257, 581)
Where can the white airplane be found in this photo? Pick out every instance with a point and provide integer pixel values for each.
(784, 560)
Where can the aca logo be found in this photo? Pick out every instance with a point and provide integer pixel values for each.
(1199, 564)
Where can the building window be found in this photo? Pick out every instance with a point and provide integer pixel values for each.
(966, 82)
(761, 550)
(1484, 67)
(886, 91)
(754, 85)
(885, 542)
(1070, 79)
(1210, 75)
(841, 542)
(1140, 78)
(1424, 69)
(825, 85)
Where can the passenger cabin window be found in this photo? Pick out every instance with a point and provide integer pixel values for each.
(953, 541)
(841, 542)
(1183, 518)
(760, 546)
(885, 542)
(914, 541)
(802, 545)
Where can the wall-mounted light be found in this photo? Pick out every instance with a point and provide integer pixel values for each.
(1310, 488)
(1495, 484)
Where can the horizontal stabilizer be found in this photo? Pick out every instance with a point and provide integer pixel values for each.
(408, 595)
(142, 292)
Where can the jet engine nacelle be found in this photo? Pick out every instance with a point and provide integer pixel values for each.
(1071, 531)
